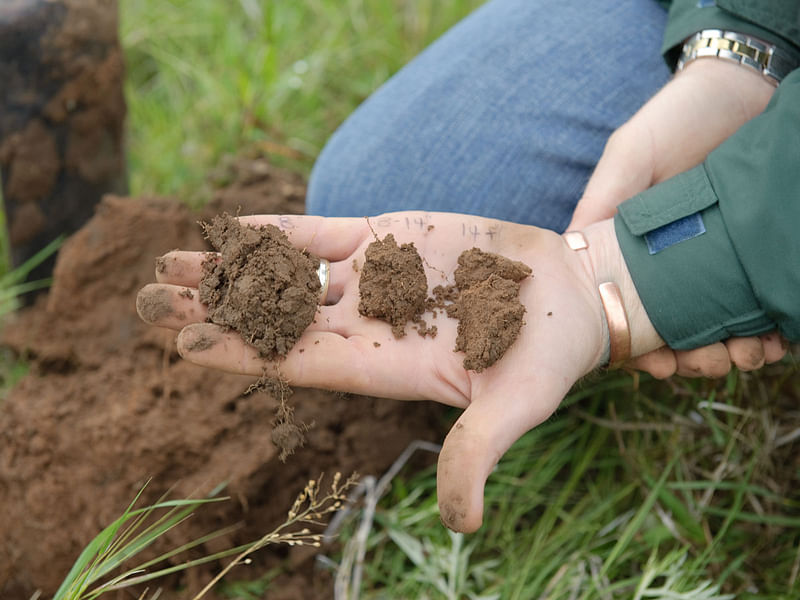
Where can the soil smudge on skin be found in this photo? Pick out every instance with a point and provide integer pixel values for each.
(486, 304)
(200, 342)
(154, 305)
(262, 287)
(393, 286)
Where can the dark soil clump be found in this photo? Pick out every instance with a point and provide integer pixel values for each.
(393, 285)
(262, 286)
(487, 307)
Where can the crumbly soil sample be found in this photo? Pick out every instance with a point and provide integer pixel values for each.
(393, 285)
(475, 266)
(261, 286)
(487, 307)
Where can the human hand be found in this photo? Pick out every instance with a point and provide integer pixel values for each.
(561, 341)
(696, 111)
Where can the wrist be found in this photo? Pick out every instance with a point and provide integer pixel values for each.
(608, 265)
(732, 88)
(767, 60)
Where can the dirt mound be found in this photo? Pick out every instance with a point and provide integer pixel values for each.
(108, 405)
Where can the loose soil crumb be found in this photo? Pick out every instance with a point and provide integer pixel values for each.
(186, 293)
(262, 287)
(486, 305)
(393, 285)
(161, 264)
(287, 435)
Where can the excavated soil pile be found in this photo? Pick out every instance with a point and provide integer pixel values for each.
(62, 114)
(261, 286)
(393, 286)
(487, 306)
(108, 405)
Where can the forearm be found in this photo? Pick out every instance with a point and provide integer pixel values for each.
(728, 266)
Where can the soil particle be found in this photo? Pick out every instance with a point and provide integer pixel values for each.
(393, 285)
(186, 293)
(262, 287)
(487, 306)
(154, 304)
(161, 265)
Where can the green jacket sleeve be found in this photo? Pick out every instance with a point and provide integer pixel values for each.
(776, 21)
(737, 271)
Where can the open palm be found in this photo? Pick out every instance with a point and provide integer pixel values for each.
(560, 341)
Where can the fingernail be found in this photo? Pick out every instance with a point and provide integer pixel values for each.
(153, 304)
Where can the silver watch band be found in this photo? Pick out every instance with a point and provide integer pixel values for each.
(768, 59)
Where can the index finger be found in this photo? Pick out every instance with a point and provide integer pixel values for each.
(327, 237)
(181, 267)
(334, 238)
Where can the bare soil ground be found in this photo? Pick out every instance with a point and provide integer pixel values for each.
(109, 405)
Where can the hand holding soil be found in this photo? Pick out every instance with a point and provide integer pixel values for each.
(560, 341)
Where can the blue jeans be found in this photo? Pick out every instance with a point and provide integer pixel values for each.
(504, 116)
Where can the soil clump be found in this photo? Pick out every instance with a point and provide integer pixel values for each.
(261, 286)
(108, 404)
(393, 286)
(485, 300)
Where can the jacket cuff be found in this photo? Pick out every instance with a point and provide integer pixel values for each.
(692, 286)
(687, 17)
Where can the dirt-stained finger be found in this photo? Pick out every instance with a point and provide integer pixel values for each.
(322, 359)
(746, 353)
(659, 363)
(709, 361)
(480, 437)
(170, 306)
(328, 237)
(181, 267)
(775, 347)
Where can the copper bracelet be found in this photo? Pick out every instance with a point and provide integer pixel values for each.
(619, 331)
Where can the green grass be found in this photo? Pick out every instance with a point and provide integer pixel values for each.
(209, 78)
(625, 493)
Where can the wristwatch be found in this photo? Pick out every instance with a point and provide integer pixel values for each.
(771, 61)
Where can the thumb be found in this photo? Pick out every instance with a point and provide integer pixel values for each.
(624, 170)
(482, 434)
